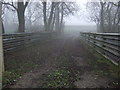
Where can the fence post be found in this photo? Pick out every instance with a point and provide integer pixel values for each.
(1, 48)
(103, 39)
(1, 43)
(88, 38)
(94, 42)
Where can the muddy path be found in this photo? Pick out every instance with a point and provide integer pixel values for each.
(48, 59)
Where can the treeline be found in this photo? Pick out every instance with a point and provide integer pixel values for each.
(29, 14)
(106, 15)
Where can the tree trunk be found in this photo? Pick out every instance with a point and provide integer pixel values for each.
(61, 21)
(21, 17)
(53, 23)
(44, 16)
(98, 27)
(3, 29)
(51, 16)
(57, 19)
(109, 21)
(102, 17)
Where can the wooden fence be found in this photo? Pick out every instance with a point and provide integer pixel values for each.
(13, 41)
(108, 44)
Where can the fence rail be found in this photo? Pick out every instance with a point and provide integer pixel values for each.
(13, 41)
(108, 44)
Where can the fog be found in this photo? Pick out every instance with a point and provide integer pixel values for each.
(73, 23)
(56, 44)
(74, 30)
(77, 20)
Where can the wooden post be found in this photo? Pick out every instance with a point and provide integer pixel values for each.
(1, 48)
(94, 41)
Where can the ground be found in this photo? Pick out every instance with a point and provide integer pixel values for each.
(63, 62)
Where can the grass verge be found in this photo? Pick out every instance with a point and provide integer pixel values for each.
(63, 77)
(102, 66)
(15, 68)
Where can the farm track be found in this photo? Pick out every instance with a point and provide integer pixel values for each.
(45, 58)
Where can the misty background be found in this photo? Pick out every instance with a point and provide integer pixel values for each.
(77, 17)
(73, 23)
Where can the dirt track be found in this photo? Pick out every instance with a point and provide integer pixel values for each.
(46, 57)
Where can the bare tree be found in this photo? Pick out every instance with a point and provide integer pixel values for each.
(45, 15)
(56, 13)
(105, 15)
(61, 20)
(33, 14)
(64, 9)
(94, 8)
(3, 29)
(102, 5)
(20, 8)
(57, 17)
(116, 19)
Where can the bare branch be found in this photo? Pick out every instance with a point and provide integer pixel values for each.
(68, 9)
(26, 3)
(10, 5)
(114, 4)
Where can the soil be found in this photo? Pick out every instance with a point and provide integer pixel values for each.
(44, 60)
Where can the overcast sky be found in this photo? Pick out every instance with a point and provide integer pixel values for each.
(81, 17)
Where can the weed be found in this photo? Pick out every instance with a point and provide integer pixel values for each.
(9, 78)
(62, 77)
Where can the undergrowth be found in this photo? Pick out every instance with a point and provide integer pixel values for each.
(62, 77)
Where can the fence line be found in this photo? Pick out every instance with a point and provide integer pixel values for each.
(13, 41)
(108, 44)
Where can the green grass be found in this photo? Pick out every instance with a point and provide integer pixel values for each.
(57, 79)
(108, 68)
(9, 78)
(101, 65)
(14, 70)
(62, 77)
